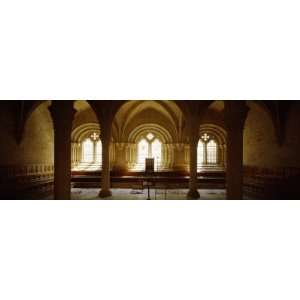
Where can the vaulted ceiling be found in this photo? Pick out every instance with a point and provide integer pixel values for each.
(172, 110)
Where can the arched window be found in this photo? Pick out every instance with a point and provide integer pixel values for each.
(200, 152)
(98, 152)
(211, 152)
(149, 147)
(87, 151)
(156, 151)
(92, 149)
(207, 151)
(143, 151)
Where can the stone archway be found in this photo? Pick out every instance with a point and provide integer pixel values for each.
(218, 134)
(159, 133)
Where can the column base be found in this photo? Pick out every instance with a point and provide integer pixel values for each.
(193, 195)
(105, 193)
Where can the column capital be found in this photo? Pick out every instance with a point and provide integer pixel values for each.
(179, 146)
(121, 145)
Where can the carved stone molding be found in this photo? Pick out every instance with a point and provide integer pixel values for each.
(120, 146)
(179, 146)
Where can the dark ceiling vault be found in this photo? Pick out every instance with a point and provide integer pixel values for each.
(277, 109)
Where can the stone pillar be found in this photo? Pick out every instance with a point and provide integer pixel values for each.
(165, 157)
(205, 161)
(131, 155)
(122, 157)
(134, 152)
(194, 138)
(235, 116)
(186, 156)
(128, 147)
(94, 151)
(178, 156)
(172, 161)
(128, 153)
(72, 153)
(78, 153)
(105, 175)
(224, 156)
(220, 160)
(62, 114)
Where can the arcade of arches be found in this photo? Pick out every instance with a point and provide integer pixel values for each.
(248, 149)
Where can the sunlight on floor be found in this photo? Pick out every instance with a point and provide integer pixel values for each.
(135, 194)
(87, 167)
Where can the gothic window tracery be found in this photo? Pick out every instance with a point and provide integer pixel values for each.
(207, 152)
(149, 147)
(92, 149)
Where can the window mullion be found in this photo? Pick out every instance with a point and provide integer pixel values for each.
(205, 154)
(94, 151)
(149, 149)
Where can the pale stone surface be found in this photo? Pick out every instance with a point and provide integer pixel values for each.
(36, 146)
(128, 194)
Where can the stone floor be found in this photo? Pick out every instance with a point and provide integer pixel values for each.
(129, 194)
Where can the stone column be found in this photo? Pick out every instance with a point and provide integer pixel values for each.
(235, 116)
(94, 151)
(165, 158)
(134, 153)
(178, 156)
(173, 157)
(122, 156)
(72, 153)
(105, 175)
(224, 156)
(75, 153)
(186, 156)
(205, 161)
(78, 153)
(62, 114)
(194, 138)
(131, 155)
(128, 155)
(220, 160)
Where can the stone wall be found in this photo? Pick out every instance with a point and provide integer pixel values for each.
(9, 149)
(271, 170)
(28, 165)
(84, 116)
(289, 155)
(261, 147)
(26, 181)
(36, 146)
